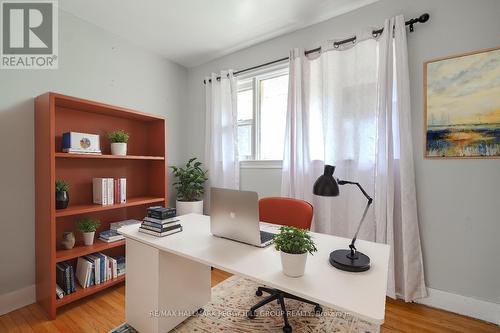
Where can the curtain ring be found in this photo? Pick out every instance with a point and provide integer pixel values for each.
(335, 45)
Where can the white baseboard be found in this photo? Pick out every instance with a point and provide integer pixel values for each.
(17, 299)
(467, 306)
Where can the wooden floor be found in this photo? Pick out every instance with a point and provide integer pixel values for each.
(105, 310)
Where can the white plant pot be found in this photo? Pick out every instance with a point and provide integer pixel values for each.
(119, 148)
(88, 238)
(188, 207)
(294, 265)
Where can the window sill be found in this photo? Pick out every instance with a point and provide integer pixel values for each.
(261, 164)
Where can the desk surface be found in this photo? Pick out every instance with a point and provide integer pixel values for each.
(361, 294)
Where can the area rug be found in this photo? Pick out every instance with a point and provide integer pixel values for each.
(231, 300)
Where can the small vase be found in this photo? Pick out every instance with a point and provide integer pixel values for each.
(88, 238)
(62, 199)
(68, 240)
(294, 265)
(119, 148)
(189, 207)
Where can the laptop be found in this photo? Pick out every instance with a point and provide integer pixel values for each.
(235, 215)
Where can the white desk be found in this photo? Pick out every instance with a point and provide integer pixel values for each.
(173, 273)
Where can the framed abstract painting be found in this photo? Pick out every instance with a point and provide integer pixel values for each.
(462, 106)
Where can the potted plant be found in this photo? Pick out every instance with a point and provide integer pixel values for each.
(88, 228)
(190, 187)
(62, 196)
(118, 141)
(294, 244)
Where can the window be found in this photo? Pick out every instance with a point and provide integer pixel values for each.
(262, 103)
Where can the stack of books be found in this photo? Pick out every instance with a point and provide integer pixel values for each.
(65, 277)
(81, 143)
(117, 225)
(110, 236)
(109, 191)
(98, 268)
(160, 222)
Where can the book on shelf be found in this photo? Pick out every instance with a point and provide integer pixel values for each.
(100, 191)
(161, 234)
(109, 236)
(117, 225)
(65, 277)
(109, 191)
(84, 142)
(120, 265)
(59, 292)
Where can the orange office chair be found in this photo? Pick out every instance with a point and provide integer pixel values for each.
(293, 213)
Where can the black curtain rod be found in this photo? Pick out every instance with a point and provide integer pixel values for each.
(421, 19)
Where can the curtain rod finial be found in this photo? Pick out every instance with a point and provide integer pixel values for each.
(424, 18)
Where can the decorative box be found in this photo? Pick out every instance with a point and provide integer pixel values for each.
(81, 143)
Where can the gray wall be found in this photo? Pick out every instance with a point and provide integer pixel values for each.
(94, 65)
(458, 200)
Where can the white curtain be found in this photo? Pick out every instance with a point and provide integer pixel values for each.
(221, 148)
(350, 107)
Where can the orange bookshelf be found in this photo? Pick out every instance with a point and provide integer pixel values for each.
(144, 168)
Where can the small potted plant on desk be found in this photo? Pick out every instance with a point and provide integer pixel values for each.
(294, 244)
(118, 141)
(190, 187)
(62, 196)
(88, 228)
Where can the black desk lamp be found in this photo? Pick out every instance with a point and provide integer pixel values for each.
(346, 260)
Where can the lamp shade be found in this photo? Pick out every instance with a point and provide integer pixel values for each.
(326, 185)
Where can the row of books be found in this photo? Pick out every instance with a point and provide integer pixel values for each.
(98, 268)
(86, 273)
(109, 191)
(160, 222)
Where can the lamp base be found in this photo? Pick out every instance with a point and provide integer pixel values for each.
(343, 260)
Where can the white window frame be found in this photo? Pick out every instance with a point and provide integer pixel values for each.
(252, 80)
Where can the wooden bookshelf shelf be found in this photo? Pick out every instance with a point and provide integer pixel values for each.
(111, 157)
(145, 170)
(91, 208)
(83, 250)
(84, 292)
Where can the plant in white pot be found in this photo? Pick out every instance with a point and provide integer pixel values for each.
(190, 186)
(88, 228)
(294, 244)
(118, 141)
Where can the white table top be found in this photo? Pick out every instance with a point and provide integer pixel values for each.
(361, 294)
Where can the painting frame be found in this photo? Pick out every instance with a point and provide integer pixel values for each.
(426, 109)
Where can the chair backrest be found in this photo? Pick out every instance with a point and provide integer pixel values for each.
(286, 211)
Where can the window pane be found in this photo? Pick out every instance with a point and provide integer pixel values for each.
(245, 105)
(273, 103)
(245, 141)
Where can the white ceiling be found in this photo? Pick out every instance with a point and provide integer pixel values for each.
(192, 32)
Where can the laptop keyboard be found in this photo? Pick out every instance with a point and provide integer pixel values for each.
(265, 236)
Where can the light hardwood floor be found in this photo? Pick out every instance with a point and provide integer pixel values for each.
(105, 310)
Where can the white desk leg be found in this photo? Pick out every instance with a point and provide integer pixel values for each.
(162, 289)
